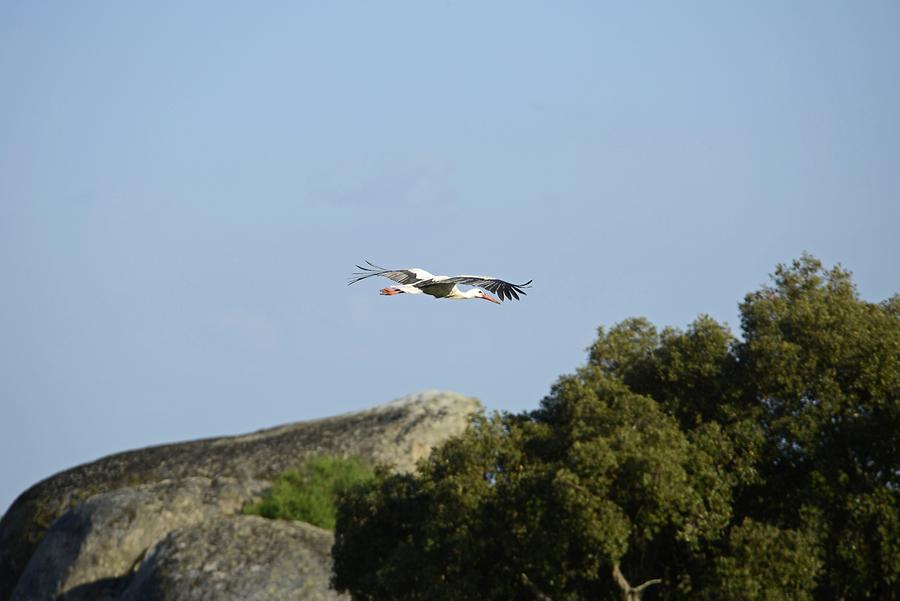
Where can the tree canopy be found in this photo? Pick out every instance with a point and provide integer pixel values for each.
(675, 464)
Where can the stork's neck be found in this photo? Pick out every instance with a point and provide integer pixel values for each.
(457, 294)
(473, 293)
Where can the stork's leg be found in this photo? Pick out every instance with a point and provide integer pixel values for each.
(391, 291)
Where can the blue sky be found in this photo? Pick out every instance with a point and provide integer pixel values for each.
(184, 190)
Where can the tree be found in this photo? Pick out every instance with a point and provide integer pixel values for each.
(673, 465)
(823, 368)
(601, 487)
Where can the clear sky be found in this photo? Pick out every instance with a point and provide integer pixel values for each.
(185, 187)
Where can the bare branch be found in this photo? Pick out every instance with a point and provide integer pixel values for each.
(534, 588)
(631, 593)
(648, 583)
(620, 578)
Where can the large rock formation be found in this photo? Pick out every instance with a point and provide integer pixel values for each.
(237, 558)
(103, 538)
(229, 470)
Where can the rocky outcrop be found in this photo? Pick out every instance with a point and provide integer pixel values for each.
(239, 558)
(396, 434)
(105, 537)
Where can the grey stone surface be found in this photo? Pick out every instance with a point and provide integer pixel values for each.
(104, 538)
(239, 558)
(396, 434)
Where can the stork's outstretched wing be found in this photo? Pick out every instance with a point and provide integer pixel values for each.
(499, 287)
(401, 276)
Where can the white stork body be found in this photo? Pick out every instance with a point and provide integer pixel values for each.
(419, 281)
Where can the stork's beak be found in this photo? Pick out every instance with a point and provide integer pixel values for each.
(488, 297)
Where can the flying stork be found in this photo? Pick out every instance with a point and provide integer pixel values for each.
(419, 281)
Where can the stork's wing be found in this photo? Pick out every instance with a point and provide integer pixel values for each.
(401, 276)
(499, 287)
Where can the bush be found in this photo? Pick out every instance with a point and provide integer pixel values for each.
(310, 492)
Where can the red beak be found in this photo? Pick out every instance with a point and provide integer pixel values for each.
(488, 297)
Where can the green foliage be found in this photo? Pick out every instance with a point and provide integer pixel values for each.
(310, 492)
(764, 467)
(765, 563)
(824, 369)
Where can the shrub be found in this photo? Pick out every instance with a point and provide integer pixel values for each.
(310, 492)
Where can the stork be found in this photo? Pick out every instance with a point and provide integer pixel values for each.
(419, 281)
